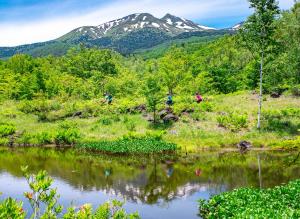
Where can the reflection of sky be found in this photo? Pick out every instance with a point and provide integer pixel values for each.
(185, 207)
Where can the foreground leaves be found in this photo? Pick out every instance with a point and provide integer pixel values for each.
(278, 202)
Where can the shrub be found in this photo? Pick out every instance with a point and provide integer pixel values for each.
(105, 120)
(38, 106)
(10, 208)
(44, 138)
(44, 202)
(4, 141)
(130, 125)
(278, 202)
(26, 139)
(67, 134)
(296, 91)
(42, 117)
(233, 121)
(206, 107)
(7, 129)
(288, 144)
(281, 120)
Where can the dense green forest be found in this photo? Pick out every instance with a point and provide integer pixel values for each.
(224, 69)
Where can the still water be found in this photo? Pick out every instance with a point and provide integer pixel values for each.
(155, 186)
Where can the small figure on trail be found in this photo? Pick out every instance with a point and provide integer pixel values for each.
(169, 100)
(198, 97)
(108, 97)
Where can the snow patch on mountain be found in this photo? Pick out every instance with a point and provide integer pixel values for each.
(156, 25)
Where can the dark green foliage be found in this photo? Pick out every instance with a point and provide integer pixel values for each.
(278, 202)
(144, 145)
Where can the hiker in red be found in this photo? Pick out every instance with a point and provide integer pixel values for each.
(199, 98)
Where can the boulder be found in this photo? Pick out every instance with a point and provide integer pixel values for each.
(170, 117)
(79, 113)
(140, 108)
(149, 118)
(165, 112)
(244, 146)
(275, 95)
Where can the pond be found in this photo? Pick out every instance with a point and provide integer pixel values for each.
(155, 186)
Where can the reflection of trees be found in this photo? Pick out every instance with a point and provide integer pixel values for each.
(151, 182)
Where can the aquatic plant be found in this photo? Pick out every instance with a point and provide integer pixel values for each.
(279, 202)
(125, 145)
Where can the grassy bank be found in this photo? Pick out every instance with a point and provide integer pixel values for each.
(220, 121)
(278, 202)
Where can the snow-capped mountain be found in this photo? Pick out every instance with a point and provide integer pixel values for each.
(169, 24)
(125, 35)
(237, 26)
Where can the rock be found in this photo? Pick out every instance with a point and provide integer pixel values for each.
(244, 146)
(188, 111)
(79, 113)
(149, 118)
(165, 112)
(170, 117)
(275, 95)
(140, 108)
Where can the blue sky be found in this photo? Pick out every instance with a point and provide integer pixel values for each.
(29, 21)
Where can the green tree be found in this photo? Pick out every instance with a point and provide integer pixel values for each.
(258, 32)
(153, 94)
(173, 66)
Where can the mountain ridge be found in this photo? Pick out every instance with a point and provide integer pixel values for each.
(125, 35)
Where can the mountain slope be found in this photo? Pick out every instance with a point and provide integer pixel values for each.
(125, 35)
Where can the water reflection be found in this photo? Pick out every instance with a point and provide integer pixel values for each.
(152, 185)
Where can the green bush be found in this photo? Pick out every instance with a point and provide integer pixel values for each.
(288, 144)
(4, 141)
(233, 121)
(67, 134)
(296, 91)
(7, 129)
(26, 139)
(130, 125)
(206, 106)
(44, 138)
(10, 208)
(283, 121)
(105, 120)
(42, 117)
(38, 106)
(278, 202)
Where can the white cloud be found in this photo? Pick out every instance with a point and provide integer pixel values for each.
(21, 32)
